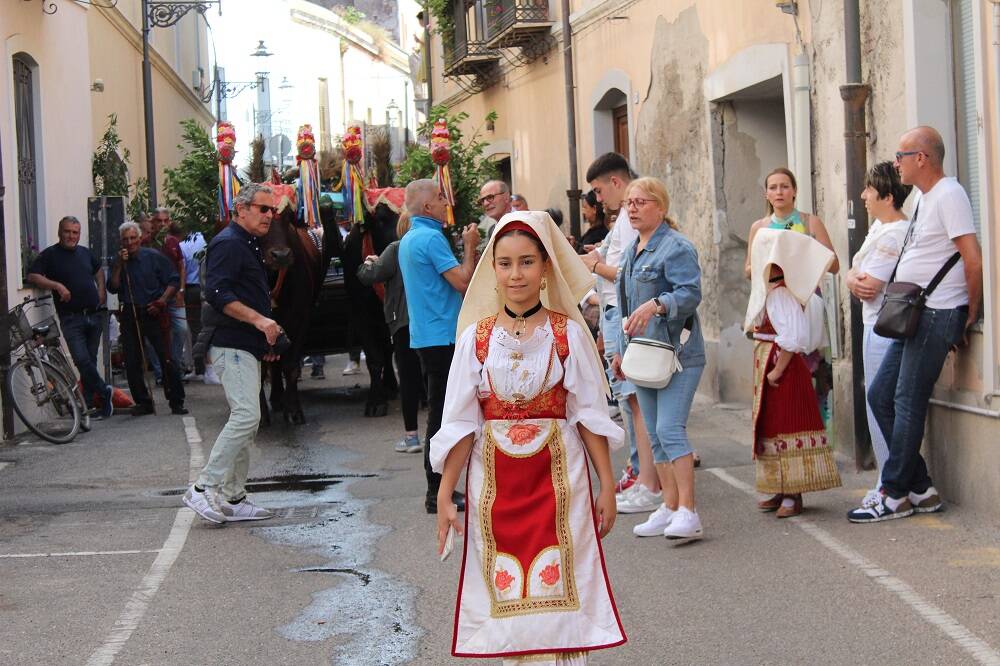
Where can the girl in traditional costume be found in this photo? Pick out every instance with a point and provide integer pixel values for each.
(786, 317)
(525, 409)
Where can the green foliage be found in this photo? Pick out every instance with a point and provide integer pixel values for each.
(469, 169)
(109, 166)
(139, 200)
(191, 188)
(353, 15)
(444, 20)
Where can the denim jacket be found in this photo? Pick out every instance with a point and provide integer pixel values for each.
(667, 270)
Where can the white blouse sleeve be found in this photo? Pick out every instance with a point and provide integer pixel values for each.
(462, 414)
(583, 380)
(789, 320)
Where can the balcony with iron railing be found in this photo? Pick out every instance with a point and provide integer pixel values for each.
(511, 23)
(468, 53)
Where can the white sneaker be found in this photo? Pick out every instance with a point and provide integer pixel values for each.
(245, 510)
(204, 504)
(927, 502)
(409, 444)
(641, 500)
(872, 497)
(352, 368)
(685, 526)
(210, 376)
(656, 523)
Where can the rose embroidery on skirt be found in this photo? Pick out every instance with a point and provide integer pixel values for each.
(523, 433)
(550, 575)
(503, 580)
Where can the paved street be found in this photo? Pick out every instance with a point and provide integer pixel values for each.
(99, 563)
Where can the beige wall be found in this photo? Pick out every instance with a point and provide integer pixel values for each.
(63, 116)
(116, 58)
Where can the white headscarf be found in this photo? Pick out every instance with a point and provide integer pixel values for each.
(567, 277)
(803, 259)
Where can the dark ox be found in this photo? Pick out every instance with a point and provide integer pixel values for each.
(297, 267)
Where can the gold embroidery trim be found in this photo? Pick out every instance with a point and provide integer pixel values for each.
(569, 600)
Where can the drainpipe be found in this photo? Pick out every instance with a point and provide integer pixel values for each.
(855, 94)
(802, 131)
(573, 193)
(428, 54)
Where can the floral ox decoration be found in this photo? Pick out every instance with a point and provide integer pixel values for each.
(229, 186)
(441, 155)
(309, 183)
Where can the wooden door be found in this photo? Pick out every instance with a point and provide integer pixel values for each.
(620, 116)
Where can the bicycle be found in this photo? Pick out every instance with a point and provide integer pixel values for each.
(41, 384)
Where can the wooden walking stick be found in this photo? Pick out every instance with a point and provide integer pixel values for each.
(138, 332)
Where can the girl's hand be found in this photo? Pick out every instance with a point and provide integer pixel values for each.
(616, 367)
(774, 377)
(447, 517)
(605, 510)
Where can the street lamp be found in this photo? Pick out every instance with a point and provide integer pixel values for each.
(160, 14)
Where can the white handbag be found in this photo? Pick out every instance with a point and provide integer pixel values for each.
(651, 363)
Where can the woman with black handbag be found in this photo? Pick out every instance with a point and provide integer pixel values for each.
(659, 289)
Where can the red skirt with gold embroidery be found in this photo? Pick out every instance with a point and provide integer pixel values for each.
(791, 450)
(533, 578)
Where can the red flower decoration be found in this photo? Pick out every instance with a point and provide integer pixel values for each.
(523, 433)
(550, 574)
(503, 580)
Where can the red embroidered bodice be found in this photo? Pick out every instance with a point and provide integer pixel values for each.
(550, 404)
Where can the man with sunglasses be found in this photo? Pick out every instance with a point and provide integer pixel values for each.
(942, 227)
(238, 340)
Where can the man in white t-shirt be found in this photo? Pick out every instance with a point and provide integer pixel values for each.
(609, 176)
(942, 225)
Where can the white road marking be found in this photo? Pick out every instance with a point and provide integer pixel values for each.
(136, 607)
(980, 650)
(79, 553)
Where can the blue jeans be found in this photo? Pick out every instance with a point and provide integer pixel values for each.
(875, 347)
(611, 329)
(901, 391)
(178, 333)
(82, 333)
(666, 412)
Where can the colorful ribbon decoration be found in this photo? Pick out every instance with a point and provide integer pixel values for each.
(441, 154)
(309, 184)
(352, 182)
(229, 186)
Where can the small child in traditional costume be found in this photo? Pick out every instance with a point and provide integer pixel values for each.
(786, 317)
(525, 409)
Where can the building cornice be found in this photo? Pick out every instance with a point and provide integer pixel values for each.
(330, 22)
(134, 37)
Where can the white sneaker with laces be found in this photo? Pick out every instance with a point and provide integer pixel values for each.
(656, 523)
(685, 526)
(205, 504)
(641, 500)
(928, 501)
(245, 510)
(352, 368)
(872, 497)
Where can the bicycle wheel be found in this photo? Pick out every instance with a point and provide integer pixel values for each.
(58, 359)
(43, 400)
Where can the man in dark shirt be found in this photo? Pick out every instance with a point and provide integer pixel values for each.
(75, 277)
(236, 286)
(144, 288)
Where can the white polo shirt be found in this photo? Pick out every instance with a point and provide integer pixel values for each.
(943, 214)
(615, 244)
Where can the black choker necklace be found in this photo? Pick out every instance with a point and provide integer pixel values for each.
(519, 320)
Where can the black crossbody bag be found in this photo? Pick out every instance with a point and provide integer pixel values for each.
(904, 302)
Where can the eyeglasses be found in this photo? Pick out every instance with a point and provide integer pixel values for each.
(636, 202)
(488, 199)
(264, 209)
(900, 154)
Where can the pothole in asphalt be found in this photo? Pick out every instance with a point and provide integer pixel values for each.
(313, 483)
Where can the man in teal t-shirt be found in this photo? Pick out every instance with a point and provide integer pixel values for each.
(434, 282)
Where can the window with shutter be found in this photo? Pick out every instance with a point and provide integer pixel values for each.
(24, 117)
(967, 114)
